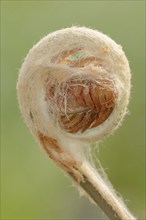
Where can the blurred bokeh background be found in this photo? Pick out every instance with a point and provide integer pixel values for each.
(32, 186)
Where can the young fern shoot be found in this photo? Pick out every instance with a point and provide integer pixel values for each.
(73, 90)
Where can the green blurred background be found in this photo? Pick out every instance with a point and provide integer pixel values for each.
(32, 186)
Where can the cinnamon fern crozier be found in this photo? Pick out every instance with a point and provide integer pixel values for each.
(73, 90)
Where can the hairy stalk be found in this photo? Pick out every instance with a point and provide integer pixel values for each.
(103, 196)
(92, 184)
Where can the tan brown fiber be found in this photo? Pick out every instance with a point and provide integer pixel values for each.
(84, 102)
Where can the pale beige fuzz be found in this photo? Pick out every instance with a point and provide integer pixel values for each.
(81, 53)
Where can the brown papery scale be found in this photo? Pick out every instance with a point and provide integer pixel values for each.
(84, 103)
